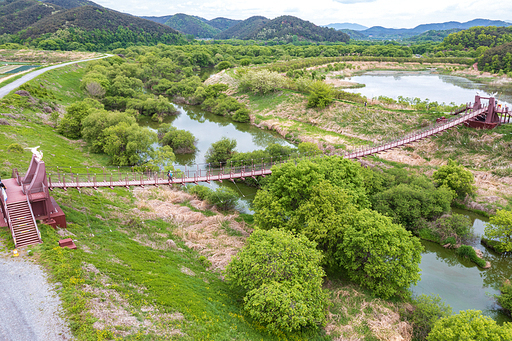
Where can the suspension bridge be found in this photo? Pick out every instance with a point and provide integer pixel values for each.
(29, 195)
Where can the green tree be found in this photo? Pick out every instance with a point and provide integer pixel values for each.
(505, 297)
(220, 151)
(71, 124)
(320, 95)
(456, 178)
(161, 159)
(223, 65)
(128, 145)
(469, 325)
(94, 125)
(380, 255)
(500, 228)
(412, 204)
(282, 279)
(181, 141)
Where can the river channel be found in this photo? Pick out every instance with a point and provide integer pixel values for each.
(460, 283)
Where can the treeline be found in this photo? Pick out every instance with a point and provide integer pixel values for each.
(476, 37)
(497, 60)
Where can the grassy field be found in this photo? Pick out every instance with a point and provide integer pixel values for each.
(149, 261)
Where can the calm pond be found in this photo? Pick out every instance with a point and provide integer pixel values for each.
(460, 283)
(426, 85)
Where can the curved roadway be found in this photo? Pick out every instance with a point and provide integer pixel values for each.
(31, 75)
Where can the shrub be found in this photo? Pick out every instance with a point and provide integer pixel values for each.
(320, 95)
(424, 314)
(468, 252)
(200, 191)
(71, 124)
(94, 126)
(455, 177)
(505, 297)
(412, 204)
(469, 325)
(499, 228)
(15, 148)
(223, 65)
(282, 279)
(261, 82)
(181, 141)
(223, 198)
(220, 151)
(241, 115)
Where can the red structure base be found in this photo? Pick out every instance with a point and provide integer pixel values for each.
(68, 242)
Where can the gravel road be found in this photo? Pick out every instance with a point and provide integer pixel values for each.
(31, 75)
(29, 305)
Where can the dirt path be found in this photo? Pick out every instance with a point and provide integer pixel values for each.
(29, 306)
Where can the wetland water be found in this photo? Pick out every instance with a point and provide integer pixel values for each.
(460, 283)
(425, 84)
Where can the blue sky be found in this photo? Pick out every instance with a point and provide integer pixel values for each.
(387, 13)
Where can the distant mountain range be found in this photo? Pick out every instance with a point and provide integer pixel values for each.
(379, 32)
(284, 28)
(347, 26)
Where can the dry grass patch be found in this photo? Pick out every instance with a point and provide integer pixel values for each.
(354, 316)
(217, 237)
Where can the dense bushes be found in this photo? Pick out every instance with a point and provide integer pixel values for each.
(220, 151)
(323, 201)
(320, 95)
(469, 325)
(413, 204)
(425, 312)
(505, 297)
(181, 141)
(455, 177)
(499, 229)
(281, 278)
(223, 198)
(261, 82)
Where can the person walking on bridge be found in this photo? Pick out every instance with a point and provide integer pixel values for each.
(169, 175)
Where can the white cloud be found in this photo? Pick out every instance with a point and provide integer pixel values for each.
(387, 13)
(353, 1)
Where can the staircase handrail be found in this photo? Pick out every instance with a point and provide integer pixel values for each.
(5, 211)
(33, 218)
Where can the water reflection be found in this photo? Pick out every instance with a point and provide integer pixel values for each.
(425, 84)
(209, 128)
(461, 283)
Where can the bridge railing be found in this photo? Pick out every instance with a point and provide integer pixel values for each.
(128, 176)
(418, 134)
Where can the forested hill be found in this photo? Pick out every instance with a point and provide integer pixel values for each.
(189, 24)
(90, 27)
(223, 23)
(286, 27)
(197, 26)
(17, 15)
(68, 4)
(243, 29)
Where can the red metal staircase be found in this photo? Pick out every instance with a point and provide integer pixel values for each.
(23, 224)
